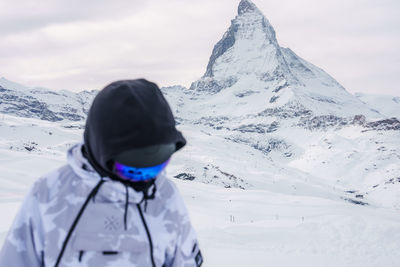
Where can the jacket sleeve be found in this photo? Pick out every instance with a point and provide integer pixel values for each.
(23, 246)
(187, 250)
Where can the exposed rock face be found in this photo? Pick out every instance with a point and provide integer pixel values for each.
(220, 48)
(26, 106)
(385, 125)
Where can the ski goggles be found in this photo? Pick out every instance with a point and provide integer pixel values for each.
(138, 174)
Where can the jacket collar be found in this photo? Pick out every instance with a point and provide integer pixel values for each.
(112, 190)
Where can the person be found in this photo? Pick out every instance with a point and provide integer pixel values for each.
(112, 204)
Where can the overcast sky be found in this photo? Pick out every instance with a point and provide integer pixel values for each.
(76, 45)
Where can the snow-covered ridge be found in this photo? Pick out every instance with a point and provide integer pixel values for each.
(43, 103)
(12, 85)
(385, 104)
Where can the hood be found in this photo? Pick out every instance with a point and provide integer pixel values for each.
(127, 115)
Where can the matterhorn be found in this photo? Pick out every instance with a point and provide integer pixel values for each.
(309, 129)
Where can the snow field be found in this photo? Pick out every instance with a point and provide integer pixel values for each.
(285, 217)
(270, 229)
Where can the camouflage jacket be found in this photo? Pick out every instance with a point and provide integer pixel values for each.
(115, 228)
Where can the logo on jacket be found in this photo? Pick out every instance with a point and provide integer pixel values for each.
(111, 223)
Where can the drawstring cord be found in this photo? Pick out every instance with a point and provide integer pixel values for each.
(91, 195)
(126, 206)
(146, 196)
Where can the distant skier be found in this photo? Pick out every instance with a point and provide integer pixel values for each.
(111, 205)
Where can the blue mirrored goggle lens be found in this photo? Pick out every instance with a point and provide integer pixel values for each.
(138, 174)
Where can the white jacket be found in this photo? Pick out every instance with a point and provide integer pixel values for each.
(115, 228)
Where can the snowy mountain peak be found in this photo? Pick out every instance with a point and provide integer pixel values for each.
(248, 62)
(249, 46)
(247, 6)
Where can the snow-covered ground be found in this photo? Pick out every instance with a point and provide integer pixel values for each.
(281, 219)
(272, 229)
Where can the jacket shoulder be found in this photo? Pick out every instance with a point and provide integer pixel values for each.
(171, 196)
(51, 184)
(168, 189)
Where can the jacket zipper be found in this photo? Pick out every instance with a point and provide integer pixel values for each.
(148, 234)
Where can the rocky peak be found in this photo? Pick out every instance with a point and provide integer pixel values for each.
(250, 27)
(248, 47)
(247, 6)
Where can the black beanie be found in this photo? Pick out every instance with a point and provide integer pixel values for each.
(126, 115)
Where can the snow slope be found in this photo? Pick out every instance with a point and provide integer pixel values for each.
(281, 219)
(388, 106)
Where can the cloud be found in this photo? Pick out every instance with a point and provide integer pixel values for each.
(153, 42)
(24, 16)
